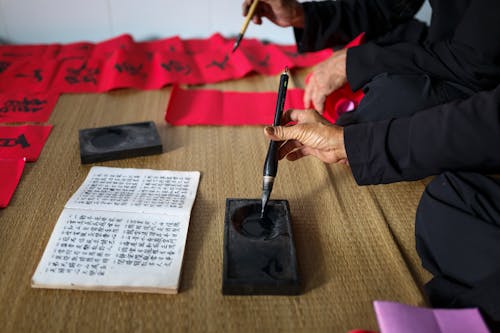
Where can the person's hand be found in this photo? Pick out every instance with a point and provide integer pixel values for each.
(327, 77)
(311, 135)
(284, 13)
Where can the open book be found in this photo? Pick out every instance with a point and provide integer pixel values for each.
(123, 229)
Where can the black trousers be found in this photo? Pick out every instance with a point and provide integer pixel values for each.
(458, 239)
(458, 218)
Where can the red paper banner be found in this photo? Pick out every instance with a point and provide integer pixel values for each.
(23, 141)
(26, 106)
(123, 63)
(31, 74)
(214, 107)
(10, 173)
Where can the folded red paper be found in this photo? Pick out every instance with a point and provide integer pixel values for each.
(11, 171)
(26, 106)
(215, 107)
(23, 141)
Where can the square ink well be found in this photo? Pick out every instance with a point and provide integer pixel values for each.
(259, 254)
(119, 141)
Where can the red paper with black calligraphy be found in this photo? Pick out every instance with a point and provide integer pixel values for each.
(33, 75)
(123, 63)
(78, 76)
(10, 174)
(23, 141)
(26, 106)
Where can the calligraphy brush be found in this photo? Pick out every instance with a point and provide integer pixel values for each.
(250, 13)
(271, 163)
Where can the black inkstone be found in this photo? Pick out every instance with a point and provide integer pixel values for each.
(259, 254)
(119, 141)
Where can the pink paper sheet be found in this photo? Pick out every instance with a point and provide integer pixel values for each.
(396, 318)
(214, 107)
(10, 171)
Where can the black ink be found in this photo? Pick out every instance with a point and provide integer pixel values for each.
(24, 105)
(73, 58)
(177, 67)
(16, 55)
(3, 66)
(128, 68)
(37, 75)
(82, 75)
(219, 64)
(12, 142)
(149, 55)
(263, 63)
(292, 54)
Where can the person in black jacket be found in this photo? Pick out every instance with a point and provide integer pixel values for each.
(431, 107)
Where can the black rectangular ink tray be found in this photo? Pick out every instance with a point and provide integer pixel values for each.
(118, 142)
(259, 255)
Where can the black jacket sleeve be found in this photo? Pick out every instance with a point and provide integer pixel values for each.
(330, 23)
(467, 53)
(461, 135)
(470, 56)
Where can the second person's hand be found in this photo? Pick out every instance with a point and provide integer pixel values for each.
(326, 77)
(284, 13)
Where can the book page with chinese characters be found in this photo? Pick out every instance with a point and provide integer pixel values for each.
(137, 190)
(124, 229)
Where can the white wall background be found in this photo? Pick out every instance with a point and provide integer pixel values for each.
(62, 21)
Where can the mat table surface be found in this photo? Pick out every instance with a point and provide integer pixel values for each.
(354, 244)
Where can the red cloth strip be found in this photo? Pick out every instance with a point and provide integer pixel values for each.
(10, 171)
(23, 141)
